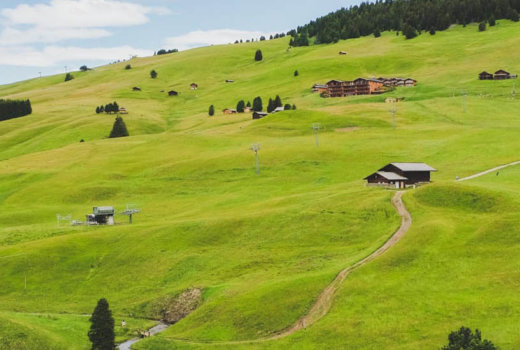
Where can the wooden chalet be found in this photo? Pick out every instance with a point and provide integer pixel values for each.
(136, 88)
(229, 81)
(122, 110)
(502, 75)
(259, 115)
(360, 86)
(342, 53)
(485, 76)
(319, 88)
(401, 175)
(194, 86)
(229, 111)
(173, 93)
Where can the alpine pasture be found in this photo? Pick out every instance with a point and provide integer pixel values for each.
(262, 248)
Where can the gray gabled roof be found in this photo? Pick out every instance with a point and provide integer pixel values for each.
(413, 167)
(389, 176)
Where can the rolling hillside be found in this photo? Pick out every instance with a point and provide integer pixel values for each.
(262, 248)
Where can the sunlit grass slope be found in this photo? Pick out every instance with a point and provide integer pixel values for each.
(263, 247)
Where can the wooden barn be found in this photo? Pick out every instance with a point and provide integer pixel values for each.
(400, 175)
(502, 75)
(173, 93)
(194, 86)
(485, 76)
(259, 115)
(342, 53)
(136, 88)
(319, 88)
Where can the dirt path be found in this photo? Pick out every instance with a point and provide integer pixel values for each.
(488, 171)
(324, 301)
(161, 327)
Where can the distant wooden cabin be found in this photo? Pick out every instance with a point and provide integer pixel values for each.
(194, 86)
(247, 109)
(400, 175)
(173, 93)
(485, 76)
(502, 75)
(229, 81)
(136, 88)
(342, 53)
(229, 111)
(122, 110)
(410, 82)
(259, 115)
(319, 88)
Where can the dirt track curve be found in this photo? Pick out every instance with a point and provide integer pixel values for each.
(324, 301)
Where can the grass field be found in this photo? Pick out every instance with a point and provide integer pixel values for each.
(263, 247)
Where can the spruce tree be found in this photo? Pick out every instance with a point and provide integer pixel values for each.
(128, 67)
(258, 55)
(296, 73)
(211, 111)
(153, 74)
(119, 129)
(101, 333)
(409, 32)
(270, 106)
(108, 108)
(278, 102)
(97, 110)
(68, 77)
(115, 107)
(257, 104)
(482, 27)
(377, 33)
(101, 109)
(492, 21)
(514, 16)
(248, 104)
(241, 106)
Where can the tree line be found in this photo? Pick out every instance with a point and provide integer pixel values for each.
(257, 105)
(407, 16)
(165, 52)
(10, 109)
(108, 108)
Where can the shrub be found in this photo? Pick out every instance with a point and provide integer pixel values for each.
(119, 129)
(432, 31)
(294, 107)
(464, 339)
(83, 68)
(482, 27)
(153, 74)
(68, 77)
(296, 73)
(409, 32)
(287, 107)
(377, 33)
(128, 67)
(492, 21)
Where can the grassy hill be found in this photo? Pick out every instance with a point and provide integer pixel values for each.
(263, 247)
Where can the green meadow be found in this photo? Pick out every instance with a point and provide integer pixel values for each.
(262, 248)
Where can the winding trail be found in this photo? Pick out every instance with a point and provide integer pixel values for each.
(324, 301)
(488, 171)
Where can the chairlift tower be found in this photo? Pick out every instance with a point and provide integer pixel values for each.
(255, 148)
(316, 127)
(130, 211)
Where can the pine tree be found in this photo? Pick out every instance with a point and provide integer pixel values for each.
(211, 111)
(482, 27)
(258, 55)
(278, 102)
(270, 106)
(492, 21)
(115, 107)
(153, 74)
(296, 73)
(101, 109)
(128, 66)
(241, 106)
(108, 108)
(97, 110)
(257, 104)
(514, 16)
(248, 104)
(101, 333)
(119, 129)
(68, 77)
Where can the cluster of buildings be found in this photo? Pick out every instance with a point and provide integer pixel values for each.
(401, 175)
(499, 75)
(361, 86)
